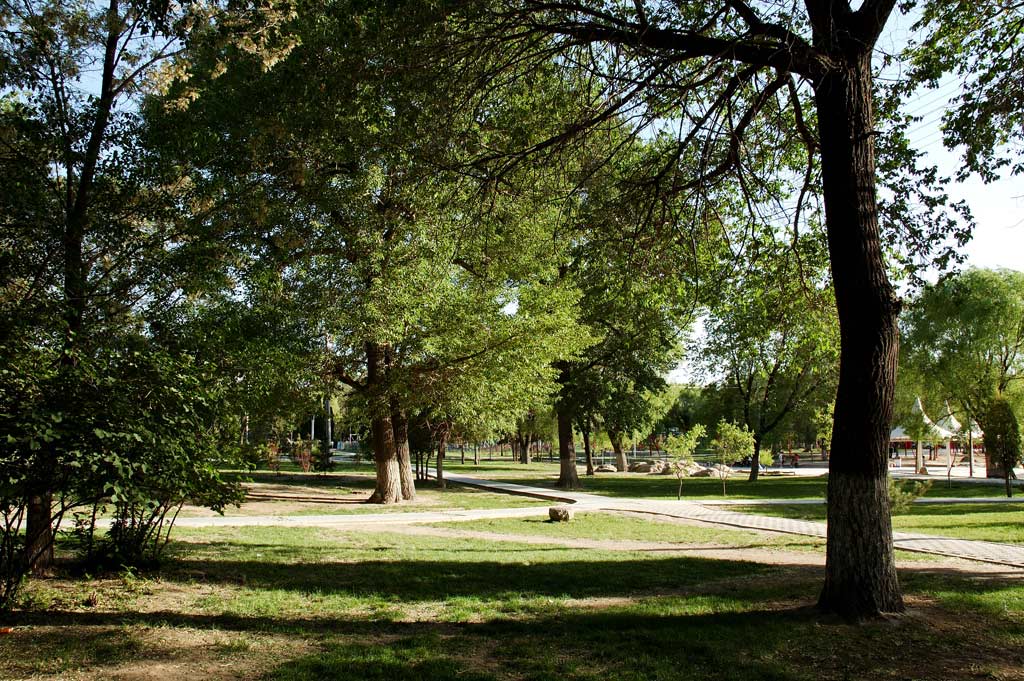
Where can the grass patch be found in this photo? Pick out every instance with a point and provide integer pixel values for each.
(610, 527)
(642, 485)
(294, 604)
(985, 522)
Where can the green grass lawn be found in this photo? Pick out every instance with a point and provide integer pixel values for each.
(345, 492)
(985, 522)
(298, 604)
(645, 486)
(612, 527)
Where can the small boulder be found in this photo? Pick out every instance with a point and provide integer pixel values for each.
(693, 468)
(606, 468)
(641, 467)
(561, 514)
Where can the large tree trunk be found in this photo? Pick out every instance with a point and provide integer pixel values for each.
(568, 478)
(620, 453)
(586, 447)
(860, 571)
(400, 426)
(388, 488)
(523, 441)
(442, 448)
(755, 462)
(328, 423)
(970, 449)
(39, 533)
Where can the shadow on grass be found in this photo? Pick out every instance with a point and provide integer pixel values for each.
(783, 643)
(570, 645)
(413, 580)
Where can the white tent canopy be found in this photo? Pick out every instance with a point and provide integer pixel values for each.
(948, 428)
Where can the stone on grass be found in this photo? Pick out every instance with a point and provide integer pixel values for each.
(641, 467)
(606, 468)
(661, 468)
(561, 514)
(691, 469)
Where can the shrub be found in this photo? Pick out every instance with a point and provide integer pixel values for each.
(322, 462)
(1002, 438)
(902, 494)
(302, 454)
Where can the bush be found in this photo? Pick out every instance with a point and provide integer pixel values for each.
(132, 428)
(903, 494)
(1002, 438)
(302, 455)
(322, 462)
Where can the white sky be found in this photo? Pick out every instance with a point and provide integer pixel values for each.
(998, 207)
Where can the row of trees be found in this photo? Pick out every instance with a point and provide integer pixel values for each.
(454, 212)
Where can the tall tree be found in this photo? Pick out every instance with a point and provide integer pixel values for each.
(774, 335)
(327, 170)
(91, 226)
(966, 335)
(743, 87)
(639, 287)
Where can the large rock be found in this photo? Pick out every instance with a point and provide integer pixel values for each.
(641, 467)
(660, 468)
(690, 470)
(561, 514)
(606, 468)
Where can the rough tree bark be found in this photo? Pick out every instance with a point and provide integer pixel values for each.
(621, 462)
(39, 533)
(388, 487)
(860, 572)
(585, 431)
(568, 478)
(400, 426)
(442, 448)
(755, 461)
(521, 441)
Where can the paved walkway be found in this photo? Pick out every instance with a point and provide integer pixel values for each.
(989, 552)
(712, 512)
(343, 520)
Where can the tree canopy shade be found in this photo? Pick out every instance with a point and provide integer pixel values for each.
(327, 173)
(87, 272)
(773, 333)
(758, 102)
